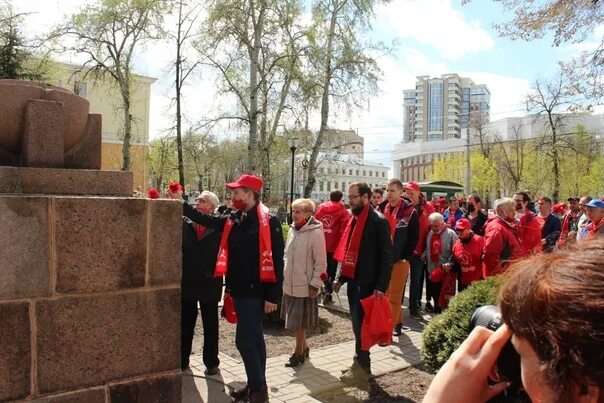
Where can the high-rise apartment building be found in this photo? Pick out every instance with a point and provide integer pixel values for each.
(439, 108)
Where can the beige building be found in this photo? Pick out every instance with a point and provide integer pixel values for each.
(105, 99)
(441, 108)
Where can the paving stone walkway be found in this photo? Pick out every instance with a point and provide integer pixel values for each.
(295, 385)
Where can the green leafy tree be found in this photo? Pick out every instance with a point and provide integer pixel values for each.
(108, 34)
(483, 171)
(162, 161)
(17, 58)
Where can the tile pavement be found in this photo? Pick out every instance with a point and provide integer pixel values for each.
(295, 385)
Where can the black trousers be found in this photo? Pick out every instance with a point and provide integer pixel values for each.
(433, 291)
(209, 318)
(332, 266)
(357, 314)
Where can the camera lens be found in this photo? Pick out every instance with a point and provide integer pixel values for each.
(508, 363)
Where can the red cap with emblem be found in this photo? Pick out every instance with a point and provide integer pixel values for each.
(463, 223)
(251, 182)
(412, 186)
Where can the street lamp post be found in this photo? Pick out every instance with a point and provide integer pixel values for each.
(293, 144)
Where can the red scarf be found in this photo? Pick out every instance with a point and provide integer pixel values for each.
(391, 217)
(267, 266)
(435, 247)
(348, 248)
(199, 229)
(592, 229)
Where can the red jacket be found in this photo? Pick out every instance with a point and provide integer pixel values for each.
(501, 245)
(529, 231)
(334, 217)
(469, 257)
(424, 210)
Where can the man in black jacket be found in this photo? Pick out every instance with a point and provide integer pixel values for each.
(477, 216)
(199, 286)
(371, 269)
(253, 298)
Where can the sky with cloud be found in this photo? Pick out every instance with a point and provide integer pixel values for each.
(434, 37)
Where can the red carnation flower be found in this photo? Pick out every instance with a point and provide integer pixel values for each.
(152, 193)
(175, 187)
(324, 276)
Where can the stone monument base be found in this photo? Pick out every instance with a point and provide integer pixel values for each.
(57, 181)
(89, 296)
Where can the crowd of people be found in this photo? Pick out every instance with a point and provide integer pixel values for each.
(374, 244)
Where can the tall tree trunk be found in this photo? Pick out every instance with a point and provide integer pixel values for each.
(181, 169)
(327, 76)
(555, 159)
(127, 127)
(252, 159)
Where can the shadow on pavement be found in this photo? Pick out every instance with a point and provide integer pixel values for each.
(196, 387)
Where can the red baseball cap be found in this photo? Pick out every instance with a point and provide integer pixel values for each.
(412, 186)
(463, 223)
(251, 182)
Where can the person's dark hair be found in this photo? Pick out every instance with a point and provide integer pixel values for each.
(364, 188)
(378, 190)
(475, 196)
(336, 195)
(555, 301)
(397, 182)
(525, 196)
(545, 199)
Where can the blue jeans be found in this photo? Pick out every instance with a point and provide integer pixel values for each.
(249, 339)
(416, 286)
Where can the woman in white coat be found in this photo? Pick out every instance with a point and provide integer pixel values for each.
(305, 260)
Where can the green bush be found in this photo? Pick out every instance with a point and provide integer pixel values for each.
(447, 331)
(285, 230)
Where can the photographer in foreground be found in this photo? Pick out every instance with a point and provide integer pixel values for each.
(552, 306)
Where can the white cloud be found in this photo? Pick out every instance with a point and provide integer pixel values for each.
(508, 94)
(435, 23)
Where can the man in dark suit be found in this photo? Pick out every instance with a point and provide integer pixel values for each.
(199, 286)
(366, 256)
(251, 257)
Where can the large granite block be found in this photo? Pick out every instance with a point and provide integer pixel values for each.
(86, 154)
(160, 389)
(24, 247)
(10, 180)
(165, 236)
(95, 395)
(43, 137)
(15, 351)
(100, 243)
(54, 181)
(94, 339)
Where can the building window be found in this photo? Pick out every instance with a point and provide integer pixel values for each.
(370, 173)
(337, 171)
(364, 173)
(357, 172)
(350, 172)
(335, 185)
(383, 174)
(328, 186)
(321, 187)
(343, 185)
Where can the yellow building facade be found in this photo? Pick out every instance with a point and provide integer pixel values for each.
(105, 99)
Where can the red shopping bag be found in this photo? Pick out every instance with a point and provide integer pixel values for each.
(447, 290)
(377, 322)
